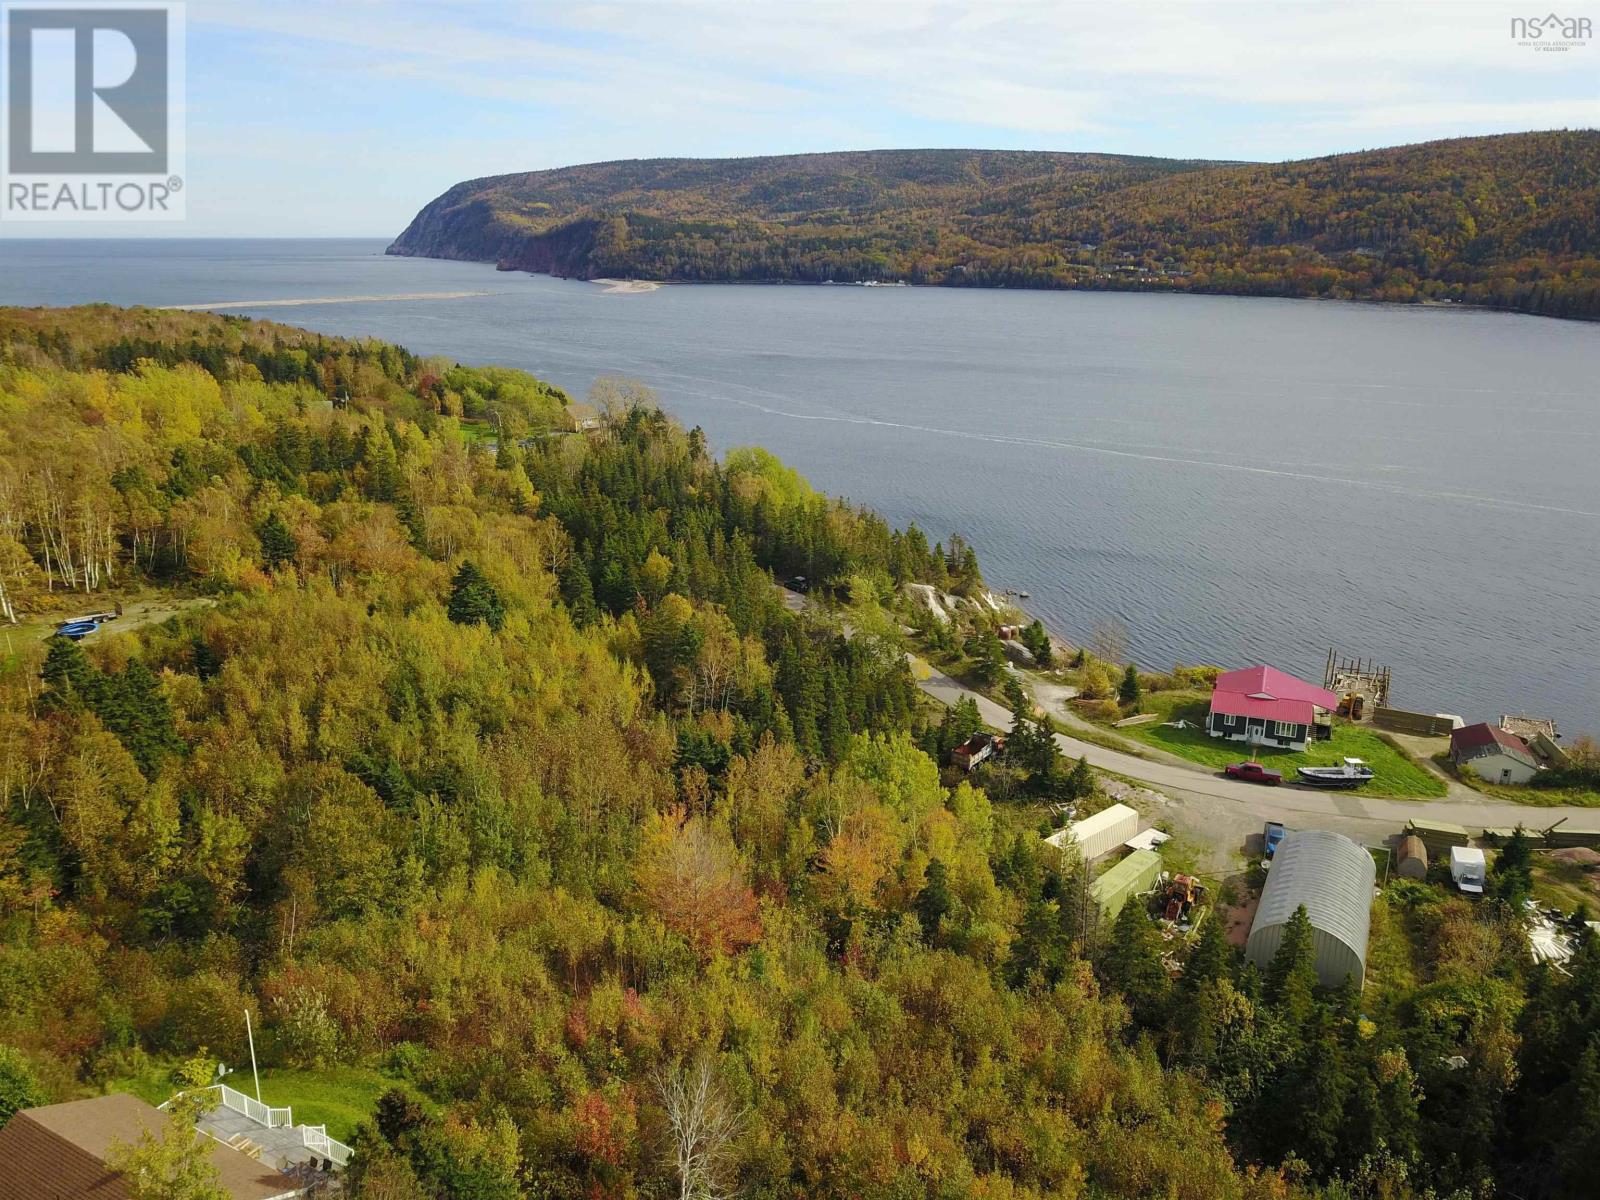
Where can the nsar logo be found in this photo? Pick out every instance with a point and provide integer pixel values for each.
(1552, 32)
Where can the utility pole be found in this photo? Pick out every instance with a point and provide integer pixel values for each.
(249, 1033)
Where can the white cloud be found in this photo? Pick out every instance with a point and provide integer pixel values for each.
(388, 102)
(1030, 67)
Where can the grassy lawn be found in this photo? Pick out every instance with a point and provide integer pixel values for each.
(338, 1097)
(1395, 773)
(152, 1082)
(1096, 736)
(478, 431)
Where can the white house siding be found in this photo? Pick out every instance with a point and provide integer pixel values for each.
(1500, 768)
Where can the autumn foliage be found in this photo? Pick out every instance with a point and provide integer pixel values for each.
(1505, 221)
(496, 765)
(690, 876)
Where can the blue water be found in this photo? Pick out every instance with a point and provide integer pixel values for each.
(1234, 480)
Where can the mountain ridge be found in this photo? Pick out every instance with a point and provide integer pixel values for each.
(1504, 220)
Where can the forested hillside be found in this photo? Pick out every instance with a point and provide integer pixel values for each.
(1506, 221)
(497, 768)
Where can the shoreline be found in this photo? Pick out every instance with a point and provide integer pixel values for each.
(297, 302)
(1113, 288)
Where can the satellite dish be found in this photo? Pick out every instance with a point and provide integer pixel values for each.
(221, 1070)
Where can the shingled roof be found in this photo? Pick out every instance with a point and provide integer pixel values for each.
(58, 1152)
(1477, 741)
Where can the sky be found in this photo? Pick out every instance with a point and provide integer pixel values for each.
(343, 117)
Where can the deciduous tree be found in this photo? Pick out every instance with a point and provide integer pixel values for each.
(174, 1162)
(690, 876)
(704, 1123)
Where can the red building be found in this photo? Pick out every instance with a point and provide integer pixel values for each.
(1262, 706)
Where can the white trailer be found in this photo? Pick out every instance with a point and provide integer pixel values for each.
(1467, 868)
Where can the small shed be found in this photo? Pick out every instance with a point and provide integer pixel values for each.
(1468, 869)
(1412, 859)
(1332, 878)
(1492, 754)
(1100, 833)
(1133, 876)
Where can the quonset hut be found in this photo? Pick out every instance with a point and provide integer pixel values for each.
(1333, 877)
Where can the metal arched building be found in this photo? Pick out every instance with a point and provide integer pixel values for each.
(1333, 877)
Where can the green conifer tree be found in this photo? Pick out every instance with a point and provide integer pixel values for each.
(1292, 974)
(1131, 963)
(278, 543)
(1209, 959)
(1037, 639)
(69, 677)
(474, 600)
(578, 592)
(933, 902)
(1080, 783)
(132, 706)
(410, 514)
(1129, 692)
(1512, 879)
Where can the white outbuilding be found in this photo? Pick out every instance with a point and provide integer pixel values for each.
(1099, 834)
(1491, 753)
(1333, 878)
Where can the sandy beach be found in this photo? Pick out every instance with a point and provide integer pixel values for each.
(626, 287)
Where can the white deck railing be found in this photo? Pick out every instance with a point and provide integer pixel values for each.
(314, 1137)
(318, 1142)
(258, 1112)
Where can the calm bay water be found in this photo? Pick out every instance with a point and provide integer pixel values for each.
(1234, 480)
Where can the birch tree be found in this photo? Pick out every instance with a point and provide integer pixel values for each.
(705, 1123)
(20, 578)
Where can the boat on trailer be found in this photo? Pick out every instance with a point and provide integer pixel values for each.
(1351, 773)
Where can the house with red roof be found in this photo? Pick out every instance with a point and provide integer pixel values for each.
(1492, 754)
(1263, 706)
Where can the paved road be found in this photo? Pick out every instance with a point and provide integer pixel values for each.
(1223, 812)
(1290, 798)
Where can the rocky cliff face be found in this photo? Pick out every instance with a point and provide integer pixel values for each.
(462, 224)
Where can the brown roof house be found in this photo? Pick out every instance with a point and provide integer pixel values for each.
(1492, 754)
(59, 1152)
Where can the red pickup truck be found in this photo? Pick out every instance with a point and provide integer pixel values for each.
(1253, 772)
